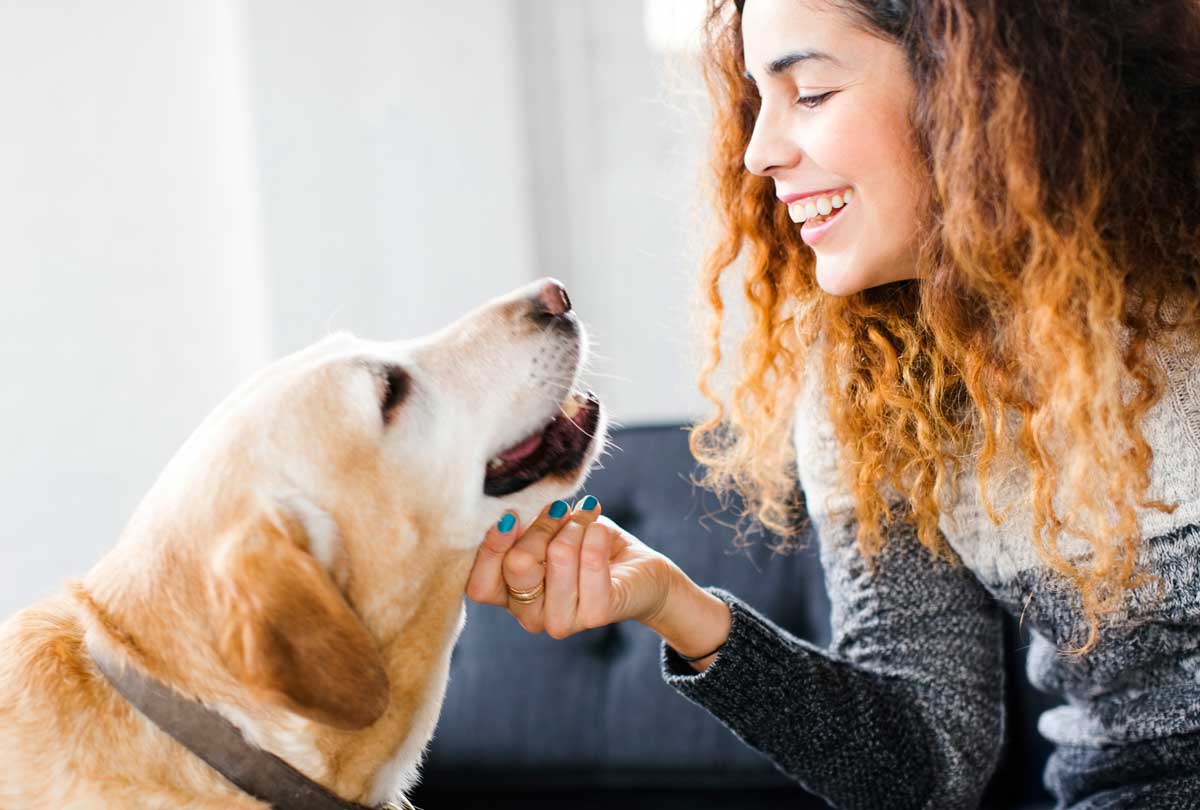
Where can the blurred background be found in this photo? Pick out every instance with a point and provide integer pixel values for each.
(191, 189)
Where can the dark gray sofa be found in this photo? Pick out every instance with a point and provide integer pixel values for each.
(587, 722)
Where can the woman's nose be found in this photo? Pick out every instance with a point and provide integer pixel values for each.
(771, 147)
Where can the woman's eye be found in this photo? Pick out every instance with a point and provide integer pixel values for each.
(812, 102)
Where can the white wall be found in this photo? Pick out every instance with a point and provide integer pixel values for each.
(619, 138)
(130, 276)
(394, 167)
(190, 189)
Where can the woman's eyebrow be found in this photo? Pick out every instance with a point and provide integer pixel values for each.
(781, 64)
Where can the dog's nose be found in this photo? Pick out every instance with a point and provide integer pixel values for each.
(551, 300)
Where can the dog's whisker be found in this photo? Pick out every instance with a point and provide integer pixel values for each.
(573, 423)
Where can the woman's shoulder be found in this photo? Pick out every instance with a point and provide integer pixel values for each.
(817, 447)
(1179, 356)
(1172, 429)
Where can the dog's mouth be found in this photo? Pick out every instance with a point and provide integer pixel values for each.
(558, 448)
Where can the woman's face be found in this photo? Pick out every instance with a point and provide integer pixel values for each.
(835, 121)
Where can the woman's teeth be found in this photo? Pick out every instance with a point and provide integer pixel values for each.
(814, 207)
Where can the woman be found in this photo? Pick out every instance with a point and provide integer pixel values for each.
(970, 232)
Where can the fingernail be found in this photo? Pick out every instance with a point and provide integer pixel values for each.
(506, 523)
(558, 509)
(589, 503)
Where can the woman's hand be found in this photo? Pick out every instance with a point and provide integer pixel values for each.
(593, 572)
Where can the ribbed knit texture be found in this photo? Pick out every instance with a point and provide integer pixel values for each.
(905, 708)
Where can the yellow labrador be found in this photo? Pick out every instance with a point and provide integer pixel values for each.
(289, 591)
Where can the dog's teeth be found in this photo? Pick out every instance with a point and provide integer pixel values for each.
(571, 407)
(495, 462)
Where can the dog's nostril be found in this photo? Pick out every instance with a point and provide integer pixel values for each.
(552, 300)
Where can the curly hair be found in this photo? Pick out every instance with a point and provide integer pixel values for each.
(1061, 144)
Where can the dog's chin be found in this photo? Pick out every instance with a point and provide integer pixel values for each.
(558, 456)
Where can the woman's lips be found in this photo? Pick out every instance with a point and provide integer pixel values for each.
(818, 211)
(812, 234)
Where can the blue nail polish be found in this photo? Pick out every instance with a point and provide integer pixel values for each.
(558, 509)
(589, 503)
(506, 523)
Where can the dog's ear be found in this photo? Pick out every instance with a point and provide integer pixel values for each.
(285, 630)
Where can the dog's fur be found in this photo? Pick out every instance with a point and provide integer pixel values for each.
(298, 566)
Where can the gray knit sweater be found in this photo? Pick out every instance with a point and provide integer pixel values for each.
(905, 708)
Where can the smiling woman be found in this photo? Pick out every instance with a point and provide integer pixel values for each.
(975, 365)
(992, 315)
(833, 123)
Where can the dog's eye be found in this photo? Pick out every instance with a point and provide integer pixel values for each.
(395, 384)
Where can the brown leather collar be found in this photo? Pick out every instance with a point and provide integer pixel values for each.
(219, 743)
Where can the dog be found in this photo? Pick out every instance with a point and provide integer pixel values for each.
(294, 580)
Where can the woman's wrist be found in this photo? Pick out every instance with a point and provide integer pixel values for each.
(692, 621)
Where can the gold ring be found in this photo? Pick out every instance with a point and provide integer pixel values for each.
(527, 597)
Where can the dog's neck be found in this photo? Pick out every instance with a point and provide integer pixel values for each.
(382, 760)
(217, 742)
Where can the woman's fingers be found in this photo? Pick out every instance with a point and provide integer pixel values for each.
(595, 576)
(545, 561)
(562, 571)
(524, 566)
(486, 582)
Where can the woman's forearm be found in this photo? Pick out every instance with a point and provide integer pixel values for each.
(692, 620)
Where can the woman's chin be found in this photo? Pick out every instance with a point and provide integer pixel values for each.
(836, 279)
(841, 278)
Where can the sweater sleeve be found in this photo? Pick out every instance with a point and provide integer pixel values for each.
(906, 707)
(904, 710)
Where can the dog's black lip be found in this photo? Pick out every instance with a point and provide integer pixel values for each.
(548, 459)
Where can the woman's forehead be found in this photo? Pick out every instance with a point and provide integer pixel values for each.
(799, 36)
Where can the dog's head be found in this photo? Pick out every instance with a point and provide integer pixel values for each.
(337, 480)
